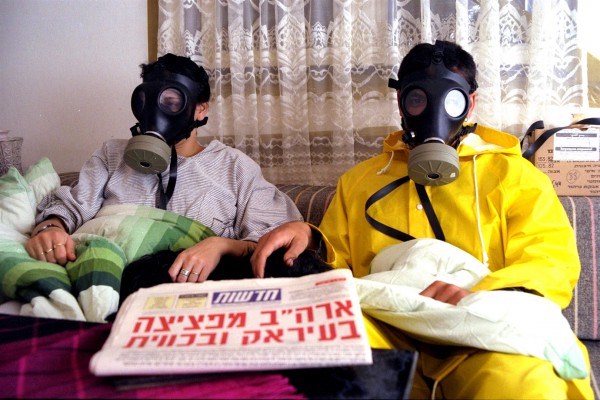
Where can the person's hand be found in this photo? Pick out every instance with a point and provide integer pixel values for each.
(296, 236)
(445, 292)
(196, 263)
(52, 245)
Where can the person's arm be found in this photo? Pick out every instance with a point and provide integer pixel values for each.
(197, 262)
(445, 292)
(50, 242)
(295, 236)
(65, 209)
(540, 250)
(75, 206)
(261, 206)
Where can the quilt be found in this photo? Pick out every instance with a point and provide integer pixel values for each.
(503, 321)
(86, 289)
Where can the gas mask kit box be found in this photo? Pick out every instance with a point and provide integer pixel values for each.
(571, 158)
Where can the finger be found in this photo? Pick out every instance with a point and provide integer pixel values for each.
(182, 268)
(50, 255)
(184, 274)
(263, 250)
(174, 269)
(455, 298)
(194, 276)
(204, 273)
(444, 292)
(58, 254)
(47, 252)
(70, 249)
(295, 249)
(40, 254)
(31, 249)
(431, 290)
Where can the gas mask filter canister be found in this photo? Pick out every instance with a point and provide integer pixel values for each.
(164, 105)
(434, 104)
(433, 163)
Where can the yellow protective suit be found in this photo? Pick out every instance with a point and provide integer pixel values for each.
(500, 209)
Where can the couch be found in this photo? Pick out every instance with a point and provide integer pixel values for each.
(583, 212)
(582, 313)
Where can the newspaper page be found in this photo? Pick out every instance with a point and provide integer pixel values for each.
(241, 325)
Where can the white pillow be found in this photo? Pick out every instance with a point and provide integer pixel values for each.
(42, 178)
(19, 195)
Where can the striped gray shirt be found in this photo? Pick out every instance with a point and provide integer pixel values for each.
(220, 187)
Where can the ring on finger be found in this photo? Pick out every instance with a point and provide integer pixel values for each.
(48, 251)
(194, 273)
(184, 272)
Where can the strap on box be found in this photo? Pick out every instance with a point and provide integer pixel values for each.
(547, 134)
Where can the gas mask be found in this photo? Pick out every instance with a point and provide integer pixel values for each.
(164, 105)
(434, 104)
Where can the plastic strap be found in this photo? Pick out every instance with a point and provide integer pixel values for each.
(547, 134)
(378, 195)
(395, 233)
(433, 221)
(166, 196)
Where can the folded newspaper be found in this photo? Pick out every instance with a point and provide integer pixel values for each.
(241, 325)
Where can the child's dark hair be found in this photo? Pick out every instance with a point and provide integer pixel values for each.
(455, 59)
(183, 66)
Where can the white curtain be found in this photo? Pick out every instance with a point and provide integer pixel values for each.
(301, 86)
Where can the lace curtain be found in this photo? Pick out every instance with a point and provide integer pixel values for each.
(301, 86)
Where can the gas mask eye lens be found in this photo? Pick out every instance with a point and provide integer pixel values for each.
(455, 103)
(415, 102)
(171, 100)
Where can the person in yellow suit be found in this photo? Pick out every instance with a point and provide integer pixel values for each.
(467, 185)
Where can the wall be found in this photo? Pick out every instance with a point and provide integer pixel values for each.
(67, 72)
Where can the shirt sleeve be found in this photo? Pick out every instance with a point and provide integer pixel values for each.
(74, 206)
(262, 206)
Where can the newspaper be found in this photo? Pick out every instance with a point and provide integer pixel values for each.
(241, 325)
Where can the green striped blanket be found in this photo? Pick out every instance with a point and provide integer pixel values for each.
(88, 288)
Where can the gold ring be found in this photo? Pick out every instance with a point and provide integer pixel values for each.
(58, 244)
(184, 272)
(195, 273)
(48, 251)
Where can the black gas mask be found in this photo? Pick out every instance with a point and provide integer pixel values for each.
(434, 104)
(164, 105)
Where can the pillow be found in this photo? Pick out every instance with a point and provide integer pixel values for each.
(19, 195)
(42, 178)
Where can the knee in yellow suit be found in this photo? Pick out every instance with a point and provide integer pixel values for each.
(480, 374)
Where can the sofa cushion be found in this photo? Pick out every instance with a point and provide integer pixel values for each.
(312, 201)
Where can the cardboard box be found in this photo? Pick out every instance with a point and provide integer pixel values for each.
(571, 159)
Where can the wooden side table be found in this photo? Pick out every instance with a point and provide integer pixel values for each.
(10, 153)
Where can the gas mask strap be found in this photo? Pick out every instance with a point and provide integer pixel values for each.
(465, 130)
(395, 233)
(166, 196)
(378, 195)
(431, 217)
